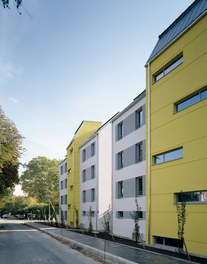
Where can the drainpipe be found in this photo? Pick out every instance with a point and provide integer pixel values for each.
(149, 154)
(97, 175)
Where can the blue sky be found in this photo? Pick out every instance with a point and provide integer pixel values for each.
(77, 60)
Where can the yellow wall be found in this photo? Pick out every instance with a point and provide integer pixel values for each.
(86, 129)
(188, 129)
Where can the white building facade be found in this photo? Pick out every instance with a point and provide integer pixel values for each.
(129, 168)
(63, 190)
(96, 177)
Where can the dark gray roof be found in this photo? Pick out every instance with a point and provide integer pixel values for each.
(186, 19)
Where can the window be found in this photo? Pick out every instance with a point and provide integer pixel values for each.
(61, 185)
(92, 172)
(139, 186)
(83, 175)
(92, 149)
(120, 189)
(84, 196)
(167, 241)
(61, 199)
(120, 160)
(191, 100)
(65, 198)
(92, 195)
(168, 156)
(168, 68)
(83, 213)
(65, 183)
(139, 214)
(139, 152)
(61, 170)
(84, 155)
(192, 197)
(138, 118)
(120, 214)
(120, 130)
(65, 167)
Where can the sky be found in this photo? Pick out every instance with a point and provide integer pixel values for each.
(62, 62)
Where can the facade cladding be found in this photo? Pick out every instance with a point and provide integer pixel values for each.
(128, 176)
(177, 132)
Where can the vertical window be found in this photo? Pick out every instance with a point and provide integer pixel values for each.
(84, 155)
(65, 167)
(65, 198)
(83, 175)
(92, 172)
(139, 152)
(92, 149)
(139, 186)
(120, 130)
(83, 213)
(84, 196)
(61, 199)
(120, 189)
(92, 195)
(65, 183)
(138, 118)
(120, 159)
(120, 214)
(61, 185)
(61, 170)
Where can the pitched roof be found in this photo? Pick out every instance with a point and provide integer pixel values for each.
(195, 11)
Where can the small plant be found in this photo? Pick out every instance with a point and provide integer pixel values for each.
(90, 227)
(135, 216)
(181, 218)
(107, 219)
(76, 217)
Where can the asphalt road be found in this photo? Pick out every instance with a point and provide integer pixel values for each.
(24, 245)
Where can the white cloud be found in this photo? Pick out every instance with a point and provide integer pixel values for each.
(13, 100)
(8, 71)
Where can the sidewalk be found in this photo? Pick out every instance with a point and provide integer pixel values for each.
(110, 252)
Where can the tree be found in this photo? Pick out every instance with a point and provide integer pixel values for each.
(41, 179)
(135, 215)
(10, 151)
(6, 3)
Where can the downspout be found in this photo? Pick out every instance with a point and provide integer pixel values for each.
(149, 154)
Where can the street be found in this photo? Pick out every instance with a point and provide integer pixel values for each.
(24, 245)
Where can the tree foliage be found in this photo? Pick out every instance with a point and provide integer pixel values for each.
(6, 3)
(41, 179)
(10, 151)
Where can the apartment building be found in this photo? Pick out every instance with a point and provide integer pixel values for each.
(96, 177)
(84, 131)
(129, 168)
(176, 95)
(63, 190)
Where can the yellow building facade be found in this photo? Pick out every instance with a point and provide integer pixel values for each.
(176, 95)
(84, 131)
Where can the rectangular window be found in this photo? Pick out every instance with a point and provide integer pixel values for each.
(192, 197)
(65, 183)
(61, 170)
(120, 159)
(92, 172)
(92, 195)
(168, 68)
(120, 130)
(138, 118)
(61, 185)
(168, 156)
(83, 213)
(167, 241)
(83, 175)
(61, 198)
(139, 152)
(191, 100)
(92, 149)
(139, 186)
(84, 196)
(120, 214)
(84, 155)
(120, 189)
(65, 198)
(65, 167)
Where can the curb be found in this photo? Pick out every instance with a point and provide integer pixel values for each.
(102, 256)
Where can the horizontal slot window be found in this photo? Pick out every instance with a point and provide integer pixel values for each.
(168, 68)
(191, 100)
(192, 197)
(168, 156)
